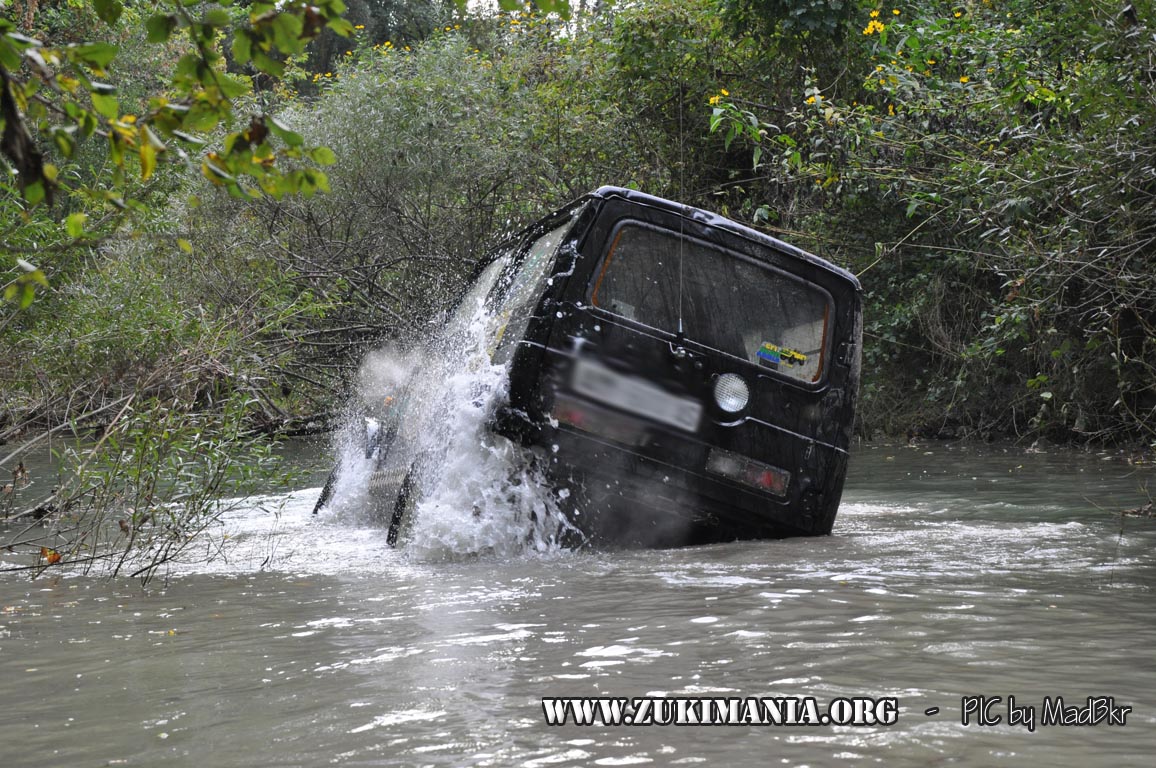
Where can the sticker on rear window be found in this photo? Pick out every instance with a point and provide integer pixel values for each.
(772, 353)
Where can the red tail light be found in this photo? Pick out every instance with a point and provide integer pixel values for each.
(747, 471)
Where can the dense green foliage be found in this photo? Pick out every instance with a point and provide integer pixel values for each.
(987, 168)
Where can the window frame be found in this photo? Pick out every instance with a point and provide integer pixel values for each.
(830, 311)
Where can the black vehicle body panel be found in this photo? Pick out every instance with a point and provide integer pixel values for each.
(649, 473)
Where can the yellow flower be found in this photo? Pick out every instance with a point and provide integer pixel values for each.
(359, 26)
(878, 67)
(128, 118)
(724, 91)
(931, 61)
(891, 109)
(714, 100)
(810, 99)
(964, 79)
(895, 11)
(874, 14)
(958, 14)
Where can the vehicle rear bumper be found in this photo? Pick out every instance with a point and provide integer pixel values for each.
(621, 497)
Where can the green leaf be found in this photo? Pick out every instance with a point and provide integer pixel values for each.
(242, 46)
(96, 55)
(217, 17)
(160, 27)
(9, 55)
(23, 41)
(116, 148)
(109, 11)
(560, 7)
(64, 141)
(189, 138)
(34, 192)
(268, 65)
(184, 245)
(148, 158)
(323, 156)
(105, 105)
(283, 132)
(75, 224)
(341, 27)
(232, 86)
(215, 174)
(287, 29)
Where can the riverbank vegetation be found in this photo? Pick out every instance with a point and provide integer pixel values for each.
(986, 167)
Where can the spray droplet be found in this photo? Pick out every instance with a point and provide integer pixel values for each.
(554, 447)
(558, 315)
(597, 327)
(564, 493)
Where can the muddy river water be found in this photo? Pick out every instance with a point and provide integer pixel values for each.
(953, 573)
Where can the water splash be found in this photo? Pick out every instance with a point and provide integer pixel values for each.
(475, 493)
(382, 376)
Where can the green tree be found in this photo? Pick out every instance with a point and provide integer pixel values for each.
(57, 95)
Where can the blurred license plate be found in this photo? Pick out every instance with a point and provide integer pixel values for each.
(636, 395)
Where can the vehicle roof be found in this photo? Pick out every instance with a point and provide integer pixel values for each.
(721, 222)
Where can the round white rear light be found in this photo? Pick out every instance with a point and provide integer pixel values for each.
(731, 392)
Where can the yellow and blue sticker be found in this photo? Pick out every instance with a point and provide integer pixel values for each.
(772, 353)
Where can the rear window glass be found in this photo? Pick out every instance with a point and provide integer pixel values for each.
(724, 301)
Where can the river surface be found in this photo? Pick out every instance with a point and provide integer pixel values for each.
(952, 572)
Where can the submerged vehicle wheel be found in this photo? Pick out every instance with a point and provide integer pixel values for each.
(403, 506)
(326, 492)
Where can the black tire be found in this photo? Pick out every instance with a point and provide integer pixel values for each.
(326, 492)
(403, 505)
